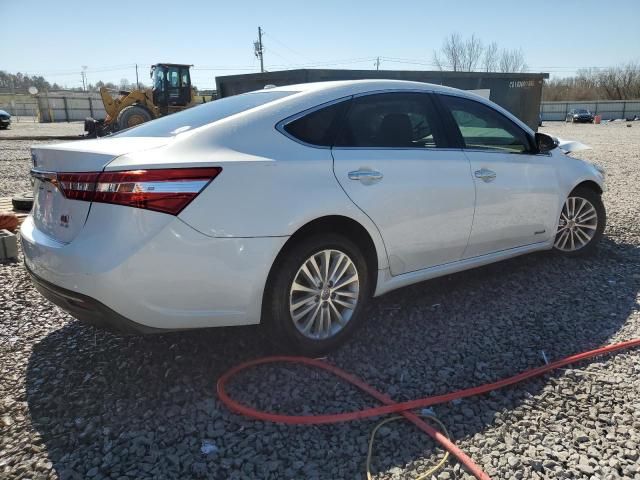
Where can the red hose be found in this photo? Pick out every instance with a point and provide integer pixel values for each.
(395, 407)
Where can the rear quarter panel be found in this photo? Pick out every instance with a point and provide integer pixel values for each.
(270, 185)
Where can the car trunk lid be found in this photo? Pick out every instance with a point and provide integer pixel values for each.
(56, 215)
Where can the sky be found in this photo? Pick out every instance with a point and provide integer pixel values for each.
(56, 38)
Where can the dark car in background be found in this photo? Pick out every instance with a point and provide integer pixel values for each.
(579, 115)
(5, 119)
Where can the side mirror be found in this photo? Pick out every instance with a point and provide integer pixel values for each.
(545, 143)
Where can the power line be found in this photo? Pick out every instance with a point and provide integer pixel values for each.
(286, 47)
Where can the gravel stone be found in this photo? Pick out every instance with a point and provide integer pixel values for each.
(79, 403)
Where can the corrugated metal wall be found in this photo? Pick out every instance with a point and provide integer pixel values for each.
(609, 109)
(19, 106)
(65, 108)
(53, 107)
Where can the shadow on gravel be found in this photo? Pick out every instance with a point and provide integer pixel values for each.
(109, 406)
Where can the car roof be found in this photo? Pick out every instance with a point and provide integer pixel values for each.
(354, 86)
(319, 92)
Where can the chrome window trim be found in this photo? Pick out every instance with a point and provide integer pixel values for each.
(502, 152)
(283, 123)
(418, 149)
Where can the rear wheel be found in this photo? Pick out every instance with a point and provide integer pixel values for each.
(131, 116)
(581, 223)
(317, 294)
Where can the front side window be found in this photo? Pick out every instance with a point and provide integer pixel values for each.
(481, 127)
(391, 120)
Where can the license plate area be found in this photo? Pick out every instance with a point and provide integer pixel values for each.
(54, 214)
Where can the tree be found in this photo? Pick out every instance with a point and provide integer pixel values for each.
(451, 53)
(512, 61)
(459, 55)
(615, 83)
(490, 59)
(20, 83)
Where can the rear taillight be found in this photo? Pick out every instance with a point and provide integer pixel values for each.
(164, 190)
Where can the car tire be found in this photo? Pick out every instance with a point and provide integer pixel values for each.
(132, 116)
(284, 301)
(581, 224)
(23, 202)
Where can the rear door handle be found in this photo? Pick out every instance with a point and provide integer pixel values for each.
(486, 175)
(365, 175)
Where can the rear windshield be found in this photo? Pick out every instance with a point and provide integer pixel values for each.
(203, 114)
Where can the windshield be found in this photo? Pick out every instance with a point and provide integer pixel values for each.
(582, 110)
(203, 114)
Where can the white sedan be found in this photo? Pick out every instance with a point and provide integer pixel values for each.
(292, 206)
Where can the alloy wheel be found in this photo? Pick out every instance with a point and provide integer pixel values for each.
(324, 294)
(577, 226)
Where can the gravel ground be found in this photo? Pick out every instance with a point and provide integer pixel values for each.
(14, 154)
(80, 403)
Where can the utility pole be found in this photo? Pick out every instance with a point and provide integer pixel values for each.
(258, 49)
(377, 64)
(84, 78)
(137, 82)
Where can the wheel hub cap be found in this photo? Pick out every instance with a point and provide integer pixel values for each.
(577, 226)
(324, 294)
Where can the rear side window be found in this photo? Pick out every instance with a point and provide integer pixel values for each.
(203, 114)
(318, 127)
(482, 127)
(391, 120)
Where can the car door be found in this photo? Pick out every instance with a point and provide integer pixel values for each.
(516, 188)
(392, 159)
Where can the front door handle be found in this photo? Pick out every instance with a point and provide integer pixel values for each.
(365, 175)
(486, 175)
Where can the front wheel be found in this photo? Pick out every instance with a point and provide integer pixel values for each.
(317, 294)
(131, 116)
(581, 223)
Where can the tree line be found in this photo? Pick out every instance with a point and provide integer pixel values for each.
(20, 83)
(458, 54)
(615, 83)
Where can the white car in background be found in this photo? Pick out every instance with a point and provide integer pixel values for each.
(293, 205)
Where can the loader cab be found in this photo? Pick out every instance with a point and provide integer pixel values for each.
(171, 86)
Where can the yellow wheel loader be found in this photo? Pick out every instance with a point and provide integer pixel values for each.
(171, 92)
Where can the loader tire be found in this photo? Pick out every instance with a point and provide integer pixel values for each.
(131, 116)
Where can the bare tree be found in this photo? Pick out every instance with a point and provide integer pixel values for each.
(460, 55)
(471, 53)
(451, 55)
(490, 59)
(512, 61)
(615, 83)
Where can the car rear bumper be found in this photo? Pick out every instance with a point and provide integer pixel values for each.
(87, 309)
(135, 270)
